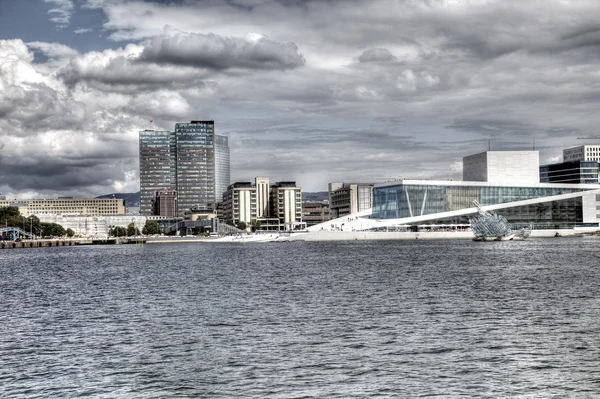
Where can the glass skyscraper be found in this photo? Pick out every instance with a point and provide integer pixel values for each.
(156, 159)
(222, 171)
(191, 160)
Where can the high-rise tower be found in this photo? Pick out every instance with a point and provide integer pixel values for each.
(155, 166)
(191, 160)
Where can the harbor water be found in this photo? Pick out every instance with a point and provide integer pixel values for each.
(358, 319)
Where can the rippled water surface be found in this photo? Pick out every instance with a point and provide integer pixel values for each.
(302, 320)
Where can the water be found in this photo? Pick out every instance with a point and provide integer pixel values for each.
(302, 320)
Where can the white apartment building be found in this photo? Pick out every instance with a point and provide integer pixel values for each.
(503, 167)
(277, 206)
(582, 153)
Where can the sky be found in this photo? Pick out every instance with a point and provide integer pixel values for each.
(314, 91)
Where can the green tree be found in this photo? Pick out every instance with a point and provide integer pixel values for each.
(151, 227)
(70, 233)
(132, 230)
(254, 225)
(52, 230)
(241, 225)
(118, 232)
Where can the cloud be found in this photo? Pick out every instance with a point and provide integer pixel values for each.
(53, 50)
(61, 13)
(81, 31)
(220, 53)
(326, 90)
(376, 55)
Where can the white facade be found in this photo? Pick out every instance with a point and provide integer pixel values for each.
(245, 203)
(91, 225)
(582, 153)
(503, 167)
(263, 200)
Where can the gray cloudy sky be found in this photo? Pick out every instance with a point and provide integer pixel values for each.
(312, 91)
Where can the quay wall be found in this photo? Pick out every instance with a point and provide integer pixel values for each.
(36, 244)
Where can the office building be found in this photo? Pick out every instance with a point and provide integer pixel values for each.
(191, 160)
(222, 166)
(503, 167)
(349, 198)
(68, 205)
(575, 172)
(315, 212)
(195, 166)
(157, 160)
(165, 203)
(582, 153)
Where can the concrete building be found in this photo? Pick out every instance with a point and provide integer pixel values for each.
(239, 203)
(315, 212)
(349, 198)
(582, 153)
(286, 204)
(575, 172)
(80, 206)
(503, 167)
(165, 203)
(192, 160)
(246, 202)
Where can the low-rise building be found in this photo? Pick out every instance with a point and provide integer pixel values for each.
(315, 212)
(68, 205)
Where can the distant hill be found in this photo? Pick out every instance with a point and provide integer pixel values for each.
(316, 196)
(131, 199)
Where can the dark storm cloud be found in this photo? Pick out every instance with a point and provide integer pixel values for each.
(220, 53)
(120, 73)
(55, 174)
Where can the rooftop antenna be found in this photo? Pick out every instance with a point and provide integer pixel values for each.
(152, 125)
(489, 145)
(534, 145)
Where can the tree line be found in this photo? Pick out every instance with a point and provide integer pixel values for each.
(11, 217)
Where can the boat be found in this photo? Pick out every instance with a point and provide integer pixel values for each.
(489, 226)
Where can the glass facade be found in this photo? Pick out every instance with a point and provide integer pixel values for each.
(191, 160)
(155, 166)
(408, 200)
(195, 163)
(577, 172)
(222, 168)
